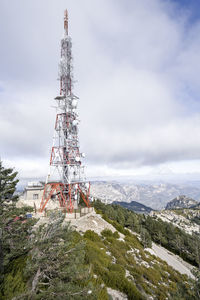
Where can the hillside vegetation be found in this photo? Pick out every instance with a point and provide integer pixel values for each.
(53, 261)
(56, 262)
(174, 239)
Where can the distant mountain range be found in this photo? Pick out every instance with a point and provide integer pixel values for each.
(155, 195)
(135, 206)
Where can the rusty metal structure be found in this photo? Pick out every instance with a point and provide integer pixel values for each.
(66, 182)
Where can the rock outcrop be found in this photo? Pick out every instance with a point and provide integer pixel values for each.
(181, 202)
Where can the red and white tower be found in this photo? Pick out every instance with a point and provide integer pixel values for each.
(66, 181)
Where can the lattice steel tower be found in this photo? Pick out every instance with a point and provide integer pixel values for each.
(66, 181)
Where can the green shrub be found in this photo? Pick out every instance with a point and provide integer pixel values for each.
(92, 236)
(99, 269)
(151, 275)
(117, 268)
(98, 211)
(107, 233)
(133, 241)
(14, 281)
(110, 239)
(119, 282)
(120, 228)
(96, 255)
(103, 295)
(116, 235)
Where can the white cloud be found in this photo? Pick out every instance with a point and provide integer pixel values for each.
(26, 124)
(137, 68)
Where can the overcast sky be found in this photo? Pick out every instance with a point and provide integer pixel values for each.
(137, 71)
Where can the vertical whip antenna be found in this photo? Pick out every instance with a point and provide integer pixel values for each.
(66, 21)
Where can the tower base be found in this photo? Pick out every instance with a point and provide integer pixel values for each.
(66, 194)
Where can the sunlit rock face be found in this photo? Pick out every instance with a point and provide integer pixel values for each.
(181, 202)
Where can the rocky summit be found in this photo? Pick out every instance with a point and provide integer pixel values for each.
(181, 202)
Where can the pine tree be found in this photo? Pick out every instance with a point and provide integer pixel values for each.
(8, 182)
(145, 238)
(57, 268)
(13, 235)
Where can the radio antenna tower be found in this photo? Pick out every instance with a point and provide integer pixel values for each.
(66, 182)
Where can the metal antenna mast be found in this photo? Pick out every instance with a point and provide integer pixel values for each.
(66, 181)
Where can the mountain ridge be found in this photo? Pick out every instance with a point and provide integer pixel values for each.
(155, 195)
(181, 201)
(135, 206)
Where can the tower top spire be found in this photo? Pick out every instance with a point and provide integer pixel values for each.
(66, 21)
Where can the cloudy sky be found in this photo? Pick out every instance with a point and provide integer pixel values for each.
(137, 71)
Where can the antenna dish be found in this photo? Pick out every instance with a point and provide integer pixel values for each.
(75, 122)
(74, 103)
